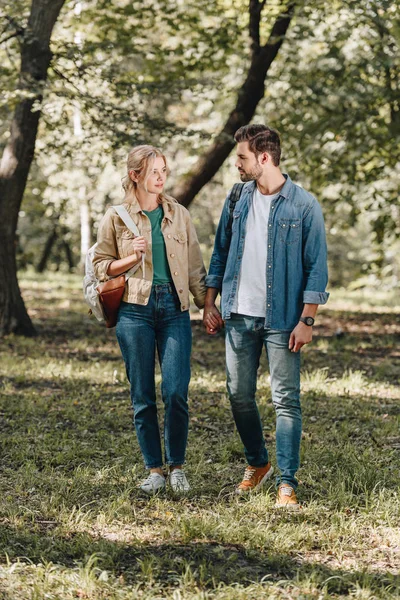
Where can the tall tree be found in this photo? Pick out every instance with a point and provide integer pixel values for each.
(249, 96)
(18, 154)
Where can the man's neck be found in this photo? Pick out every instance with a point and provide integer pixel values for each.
(271, 183)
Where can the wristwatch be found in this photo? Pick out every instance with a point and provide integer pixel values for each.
(307, 320)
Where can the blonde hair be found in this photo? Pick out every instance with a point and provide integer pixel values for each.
(141, 160)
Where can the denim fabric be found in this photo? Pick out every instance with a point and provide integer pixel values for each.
(245, 337)
(296, 259)
(140, 331)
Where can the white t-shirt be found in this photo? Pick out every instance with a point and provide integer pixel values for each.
(251, 293)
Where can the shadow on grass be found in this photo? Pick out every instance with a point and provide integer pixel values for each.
(211, 562)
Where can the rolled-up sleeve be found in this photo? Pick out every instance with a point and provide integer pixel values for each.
(315, 256)
(197, 271)
(106, 250)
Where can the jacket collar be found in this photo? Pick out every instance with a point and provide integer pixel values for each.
(134, 206)
(286, 191)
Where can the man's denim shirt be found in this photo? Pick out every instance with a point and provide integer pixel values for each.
(297, 271)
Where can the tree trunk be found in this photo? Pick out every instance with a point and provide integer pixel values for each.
(250, 94)
(18, 154)
(68, 255)
(47, 250)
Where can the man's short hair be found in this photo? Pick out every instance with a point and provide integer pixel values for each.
(261, 139)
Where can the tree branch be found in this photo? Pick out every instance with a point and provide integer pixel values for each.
(248, 98)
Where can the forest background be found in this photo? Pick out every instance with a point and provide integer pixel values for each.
(180, 75)
(82, 82)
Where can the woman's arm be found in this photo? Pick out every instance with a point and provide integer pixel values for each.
(106, 262)
(197, 271)
(116, 267)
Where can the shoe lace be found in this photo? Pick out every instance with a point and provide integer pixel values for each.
(286, 491)
(179, 475)
(248, 474)
(152, 477)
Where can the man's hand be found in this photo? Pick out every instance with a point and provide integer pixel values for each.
(212, 319)
(301, 335)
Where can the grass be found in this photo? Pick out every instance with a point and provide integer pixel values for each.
(73, 524)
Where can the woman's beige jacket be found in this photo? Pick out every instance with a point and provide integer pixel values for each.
(114, 241)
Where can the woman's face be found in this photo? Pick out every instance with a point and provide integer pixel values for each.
(157, 177)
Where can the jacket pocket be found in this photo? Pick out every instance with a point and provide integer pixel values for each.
(289, 230)
(181, 237)
(125, 243)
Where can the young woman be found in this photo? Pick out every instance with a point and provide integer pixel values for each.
(154, 313)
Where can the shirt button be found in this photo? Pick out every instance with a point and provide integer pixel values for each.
(181, 291)
(269, 245)
(169, 236)
(269, 286)
(283, 225)
(269, 266)
(269, 306)
(270, 225)
(172, 255)
(175, 272)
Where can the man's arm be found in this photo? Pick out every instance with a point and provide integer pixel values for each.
(316, 274)
(211, 317)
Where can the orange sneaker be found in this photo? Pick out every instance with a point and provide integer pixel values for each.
(254, 477)
(286, 497)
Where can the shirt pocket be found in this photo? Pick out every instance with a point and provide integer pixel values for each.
(125, 243)
(289, 230)
(180, 237)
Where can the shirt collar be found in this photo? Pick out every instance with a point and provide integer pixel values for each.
(134, 206)
(285, 192)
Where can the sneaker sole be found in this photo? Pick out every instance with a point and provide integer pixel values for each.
(267, 475)
(152, 492)
(293, 507)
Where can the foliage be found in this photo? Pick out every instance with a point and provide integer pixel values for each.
(167, 72)
(75, 526)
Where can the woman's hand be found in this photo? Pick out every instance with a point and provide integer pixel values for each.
(139, 245)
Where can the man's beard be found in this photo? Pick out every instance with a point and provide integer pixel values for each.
(252, 175)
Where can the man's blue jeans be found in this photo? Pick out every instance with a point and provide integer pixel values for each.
(245, 337)
(140, 331)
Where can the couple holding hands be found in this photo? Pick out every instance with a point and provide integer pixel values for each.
(270, 266)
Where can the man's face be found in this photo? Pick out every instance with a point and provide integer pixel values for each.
(247, 164)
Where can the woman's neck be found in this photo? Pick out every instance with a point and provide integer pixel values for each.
(147, 201)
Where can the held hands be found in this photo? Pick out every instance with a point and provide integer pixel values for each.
(301, 335)
(212, 319)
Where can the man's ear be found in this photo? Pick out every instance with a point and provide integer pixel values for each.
(264, 158)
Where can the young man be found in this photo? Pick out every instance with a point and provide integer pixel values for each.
(269, 264)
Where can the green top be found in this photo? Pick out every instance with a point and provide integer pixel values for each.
(161, 271)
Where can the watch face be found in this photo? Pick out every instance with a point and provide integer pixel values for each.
(309, 321)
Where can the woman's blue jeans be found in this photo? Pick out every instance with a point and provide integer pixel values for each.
(245, 338)
(140, 331)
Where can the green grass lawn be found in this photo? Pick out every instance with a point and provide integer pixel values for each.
(74, 525)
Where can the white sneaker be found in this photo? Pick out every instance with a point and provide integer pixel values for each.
(178, 481)
(153, 484)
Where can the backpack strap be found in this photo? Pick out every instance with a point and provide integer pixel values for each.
(127, 219)
(235, 194)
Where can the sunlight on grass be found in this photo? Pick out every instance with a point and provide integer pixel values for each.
(75, 525)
